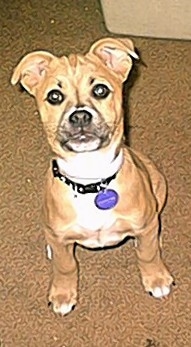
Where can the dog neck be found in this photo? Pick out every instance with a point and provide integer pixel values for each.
(88, 168)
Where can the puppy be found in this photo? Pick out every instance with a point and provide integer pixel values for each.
(98, 191)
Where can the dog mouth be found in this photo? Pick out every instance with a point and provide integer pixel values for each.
(83, 142)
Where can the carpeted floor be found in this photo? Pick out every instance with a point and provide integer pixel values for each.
(113, 309)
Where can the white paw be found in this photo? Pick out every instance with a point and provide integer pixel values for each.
(160, 292)
(49, 252)
(63, 309)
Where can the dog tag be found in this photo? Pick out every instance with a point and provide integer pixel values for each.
(106, 199)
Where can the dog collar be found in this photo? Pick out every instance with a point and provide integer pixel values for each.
(81, 188)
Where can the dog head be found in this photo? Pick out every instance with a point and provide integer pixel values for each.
(79, 97)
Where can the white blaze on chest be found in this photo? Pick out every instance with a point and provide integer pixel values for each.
(90, 167)
(89, 216)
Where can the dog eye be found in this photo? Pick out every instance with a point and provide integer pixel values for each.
(55, 97)
(100, 91)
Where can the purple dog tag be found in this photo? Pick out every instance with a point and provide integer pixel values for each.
(106, 199)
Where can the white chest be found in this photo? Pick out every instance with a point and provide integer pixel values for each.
(97, 226)
(89, 216)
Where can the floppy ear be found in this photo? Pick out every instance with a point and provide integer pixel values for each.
(116, 54)
(31, 69)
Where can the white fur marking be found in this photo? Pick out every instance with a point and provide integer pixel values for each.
(85, 168)
(49, 252)
(89, 216)
(63, 309)
(160, 292)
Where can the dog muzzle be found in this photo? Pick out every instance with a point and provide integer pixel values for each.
(83, 130)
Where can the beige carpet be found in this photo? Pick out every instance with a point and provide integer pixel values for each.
(113, 310)
(149, 18)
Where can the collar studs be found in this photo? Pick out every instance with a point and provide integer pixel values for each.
(80, 188)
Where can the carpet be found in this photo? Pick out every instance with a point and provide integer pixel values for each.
(113, 309)
(149, 18)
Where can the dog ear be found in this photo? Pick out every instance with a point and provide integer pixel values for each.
(116, 54)
(31, 70)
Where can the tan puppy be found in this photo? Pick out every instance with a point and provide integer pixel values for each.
(98, 191)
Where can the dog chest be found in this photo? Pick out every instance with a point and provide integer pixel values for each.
(89, 216)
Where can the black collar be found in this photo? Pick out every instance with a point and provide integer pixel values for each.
(81, 188)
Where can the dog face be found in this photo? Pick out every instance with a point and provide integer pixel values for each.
(79, 97)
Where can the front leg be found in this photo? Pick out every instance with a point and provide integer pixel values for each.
(63, 288)
(155, 276)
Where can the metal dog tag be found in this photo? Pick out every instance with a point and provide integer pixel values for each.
(106, 199)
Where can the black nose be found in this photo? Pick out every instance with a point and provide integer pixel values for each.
(80, 119)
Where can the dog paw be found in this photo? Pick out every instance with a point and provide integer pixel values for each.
(160, 292)
(158, 286)
(62, 301)
(59, 307)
